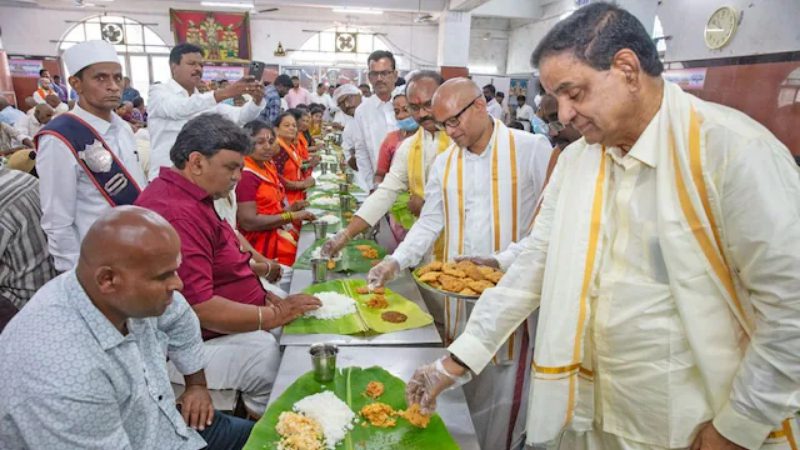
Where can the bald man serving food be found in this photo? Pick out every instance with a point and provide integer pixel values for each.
(84, 363)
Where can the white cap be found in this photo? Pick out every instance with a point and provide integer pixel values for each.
(398, 91)
(85, 54)
(345, 89)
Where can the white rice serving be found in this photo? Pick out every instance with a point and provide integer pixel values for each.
(333, 415)
(334, 305)
(324, 201)
(317, 254)
(330, 218)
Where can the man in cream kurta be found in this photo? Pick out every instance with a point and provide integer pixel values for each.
(664, 262)
(431, 142)
(482, 147)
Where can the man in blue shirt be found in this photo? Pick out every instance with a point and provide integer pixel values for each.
(83, 364)
(8, 114)
(128, 93)
(273, 95)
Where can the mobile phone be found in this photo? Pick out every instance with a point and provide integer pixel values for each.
(257, 69)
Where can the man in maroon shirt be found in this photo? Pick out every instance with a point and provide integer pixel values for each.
(235, 311)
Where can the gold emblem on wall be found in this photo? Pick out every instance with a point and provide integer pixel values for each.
(346, 42)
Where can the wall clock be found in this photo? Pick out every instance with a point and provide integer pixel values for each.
(720, 27)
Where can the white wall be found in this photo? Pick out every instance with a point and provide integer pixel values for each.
(50, 25)
(768, 26)
(29, 31)
(488, 45)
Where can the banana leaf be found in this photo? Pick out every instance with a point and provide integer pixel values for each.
(366, 320)
(401, 213)
(349, 385)
(351, 260)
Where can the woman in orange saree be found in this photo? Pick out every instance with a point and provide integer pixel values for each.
(263, 216)
(289, 161)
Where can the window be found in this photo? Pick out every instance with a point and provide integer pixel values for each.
(144, 56)
(321, 48)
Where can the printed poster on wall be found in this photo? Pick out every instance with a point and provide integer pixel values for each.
(24, 67)
(223, 36)
(519, 86)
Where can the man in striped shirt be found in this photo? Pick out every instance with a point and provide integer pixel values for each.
(25, 264)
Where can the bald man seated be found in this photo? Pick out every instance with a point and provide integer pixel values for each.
(84, 363)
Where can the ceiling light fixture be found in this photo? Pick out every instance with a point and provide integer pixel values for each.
(348, 10)
(241, 5)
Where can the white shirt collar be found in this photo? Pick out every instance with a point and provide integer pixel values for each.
(175, 87)
(97, 123)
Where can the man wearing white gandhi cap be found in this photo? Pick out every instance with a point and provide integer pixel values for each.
(86, 159)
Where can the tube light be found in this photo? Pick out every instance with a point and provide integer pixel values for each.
(229, 5)
(348, 10)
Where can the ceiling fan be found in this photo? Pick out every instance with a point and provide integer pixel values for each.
(267, 10)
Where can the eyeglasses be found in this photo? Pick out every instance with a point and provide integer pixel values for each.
(455, 120)
(382, 74)
(413, 108)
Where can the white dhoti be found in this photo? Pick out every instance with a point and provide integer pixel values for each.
(245, 362)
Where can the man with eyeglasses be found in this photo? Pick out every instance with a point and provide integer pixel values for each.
(375, 116)
(410, 166)
(481, 193)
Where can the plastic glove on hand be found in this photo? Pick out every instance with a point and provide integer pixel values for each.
(332, 246)
(480, 260)
(428, 382)
(386, 271)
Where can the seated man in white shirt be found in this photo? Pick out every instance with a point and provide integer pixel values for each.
(171, 104)
(83, 364)
(30, 124)
(55, 102)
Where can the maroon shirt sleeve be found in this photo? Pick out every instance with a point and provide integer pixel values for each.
(196, 270)
(247, 187)
(385, 153)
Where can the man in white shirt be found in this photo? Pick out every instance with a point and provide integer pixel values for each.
(410, 166)
(495, 109)
(663, 262)
(79, 181)
(375, 116)
(347, 98)
(55, 102)
(173, 103)
(481, 194)
(29, 125)
(322, 97)
(524, 112)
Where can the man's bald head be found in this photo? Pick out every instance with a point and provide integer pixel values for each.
(459, 105)
(43, 113)
(128, 263)
(125, 235)
(53, 100)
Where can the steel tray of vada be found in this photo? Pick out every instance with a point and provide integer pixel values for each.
(463, 279)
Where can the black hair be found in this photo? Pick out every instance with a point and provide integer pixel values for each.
(380, 54)
(500, 94)
(283, 80)
(521, 99)
(301, 106)
(42, 71)
(317, 109)
(223, 80)
(423, 74)
(56, 77)
(282, 116)
(295, 77)
(298, 113)
(595, 33)
(491, 89)
(400, 82)
(137, 102)
(321, 85)
(177, 52)
(364, 85)
(208, 134)
(517, 125)
(255, 126)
